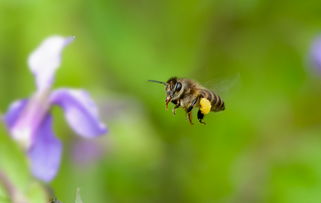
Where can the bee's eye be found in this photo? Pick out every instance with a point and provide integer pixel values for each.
(178, 86)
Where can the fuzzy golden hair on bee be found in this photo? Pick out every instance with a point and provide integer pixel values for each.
(188, 94)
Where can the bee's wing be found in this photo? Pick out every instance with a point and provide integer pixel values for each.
(224, 86)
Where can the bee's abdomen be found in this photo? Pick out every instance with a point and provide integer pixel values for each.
(216, 101)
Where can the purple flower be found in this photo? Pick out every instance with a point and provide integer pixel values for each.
(85, 153)
(316, 53)
(30, 122)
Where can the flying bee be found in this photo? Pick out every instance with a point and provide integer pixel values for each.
(186, 93)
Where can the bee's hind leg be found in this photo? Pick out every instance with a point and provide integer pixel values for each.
(200, 117)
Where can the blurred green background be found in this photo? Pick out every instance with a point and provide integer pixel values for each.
(266, 145)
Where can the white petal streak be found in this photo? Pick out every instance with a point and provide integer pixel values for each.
(45, 60)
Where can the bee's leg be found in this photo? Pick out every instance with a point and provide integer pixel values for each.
(177, 105)
(189, 116)
(189, 110)
(174, 109)
(200, 117)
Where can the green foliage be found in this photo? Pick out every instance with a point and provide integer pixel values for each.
(78, 198)
(265, 147)
(16, 184)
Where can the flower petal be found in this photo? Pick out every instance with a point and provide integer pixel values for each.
(45, 152)
(87, 152)
(316, 53)
(44, 61)
(14, 112)
(80, 111)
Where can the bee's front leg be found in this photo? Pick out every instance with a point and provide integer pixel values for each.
(174, 109)
(177, 105)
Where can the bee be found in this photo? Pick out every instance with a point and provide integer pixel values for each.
(187, 93)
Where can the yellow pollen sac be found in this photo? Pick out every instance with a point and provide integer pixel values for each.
(205, 106)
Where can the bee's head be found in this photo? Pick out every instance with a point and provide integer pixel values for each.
(173, 88)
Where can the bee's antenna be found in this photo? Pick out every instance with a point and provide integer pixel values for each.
(164, 83)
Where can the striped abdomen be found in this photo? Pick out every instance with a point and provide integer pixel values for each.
(216, 101)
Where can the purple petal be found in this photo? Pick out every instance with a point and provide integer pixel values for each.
(14, 112)
(24, 118)
(86, 152)
(80, 111)
(45, 152)
(44, 61)
(316, 53)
